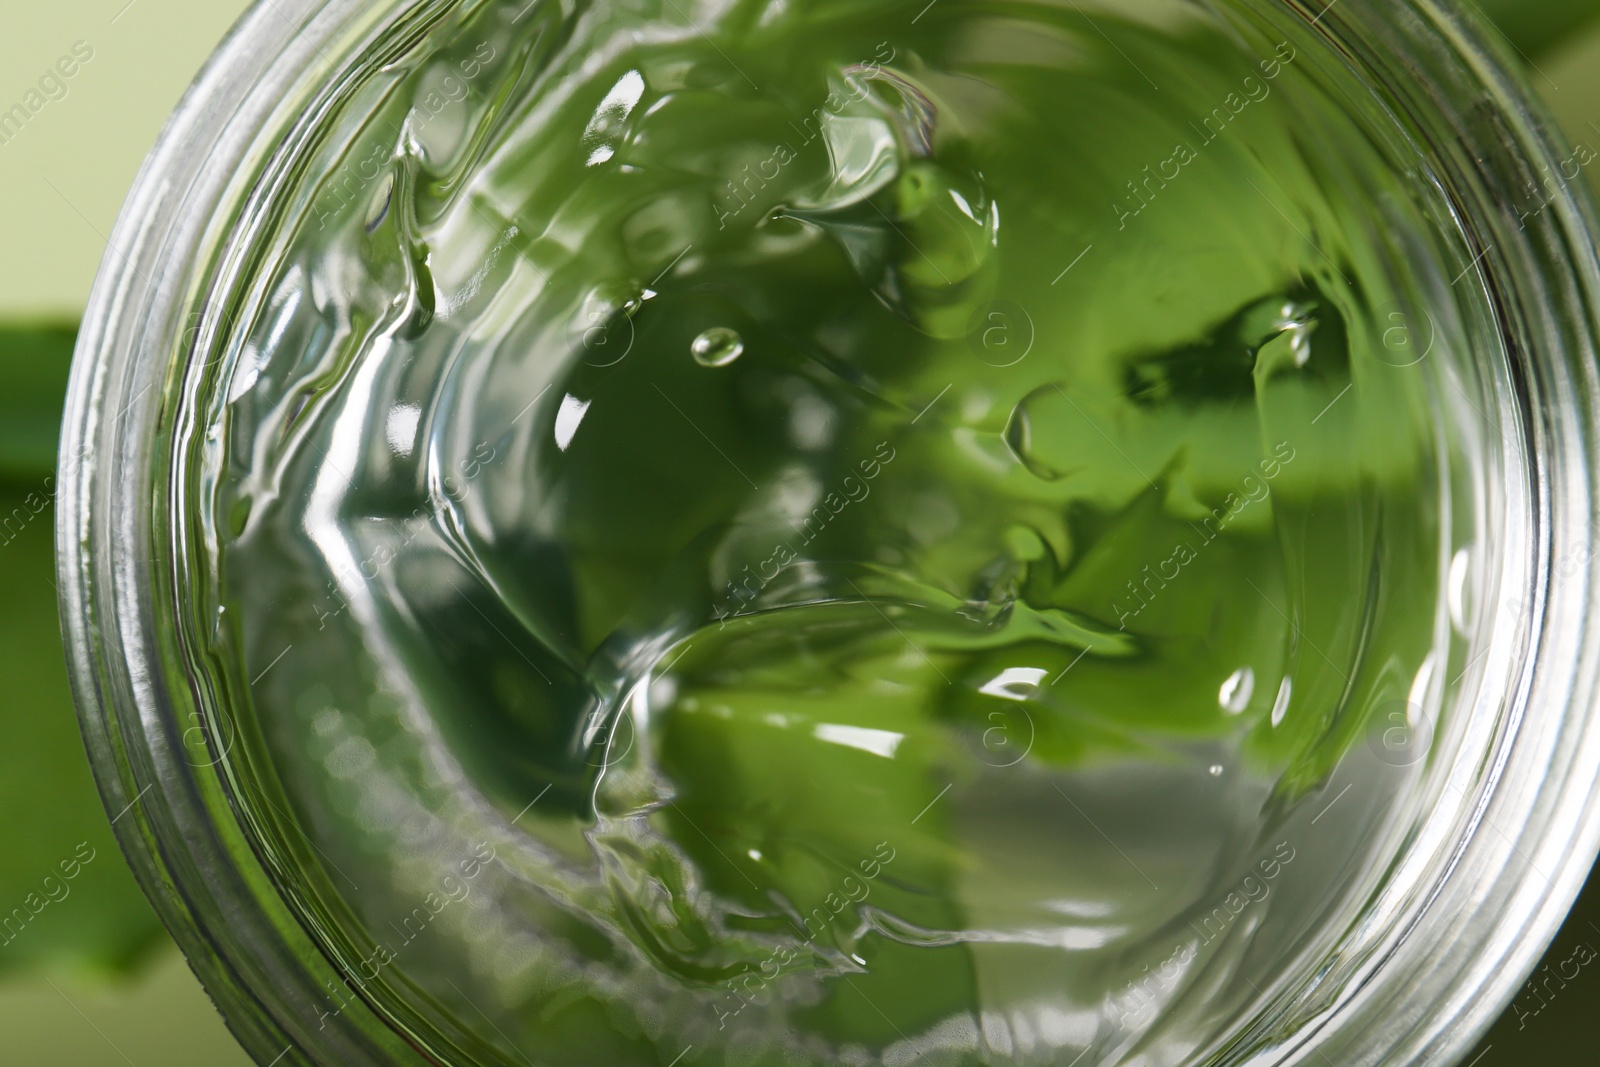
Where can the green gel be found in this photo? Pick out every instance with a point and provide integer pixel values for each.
(882, 521)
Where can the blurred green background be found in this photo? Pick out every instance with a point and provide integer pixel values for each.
(91, 978)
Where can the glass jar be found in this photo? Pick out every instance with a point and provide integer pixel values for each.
(1501, 820)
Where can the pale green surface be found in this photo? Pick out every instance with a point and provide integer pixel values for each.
(162, 1019)
(89, 143)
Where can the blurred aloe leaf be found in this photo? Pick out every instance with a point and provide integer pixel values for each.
(1535, 26)
(34, 360)
(66, 897)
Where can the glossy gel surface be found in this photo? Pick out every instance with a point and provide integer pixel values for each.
(811, 533)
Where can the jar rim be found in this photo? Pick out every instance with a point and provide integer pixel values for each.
(1428, 989)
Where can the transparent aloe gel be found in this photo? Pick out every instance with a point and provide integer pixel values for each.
(843, 535)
